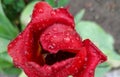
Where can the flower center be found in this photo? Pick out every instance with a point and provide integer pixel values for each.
(51, 59)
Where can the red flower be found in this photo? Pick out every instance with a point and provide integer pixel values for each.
(50, 46)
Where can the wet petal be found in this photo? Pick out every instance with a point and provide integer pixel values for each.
(60, 37)
(94, 57)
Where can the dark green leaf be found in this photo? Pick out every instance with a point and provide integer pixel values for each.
(51, 2)
(62, 3)
(6, 28)
(8, 1)
(5, 64)
(12, 70)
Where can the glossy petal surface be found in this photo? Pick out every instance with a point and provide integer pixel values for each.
(50, 36)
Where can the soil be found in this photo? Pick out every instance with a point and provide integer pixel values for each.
(104, 12)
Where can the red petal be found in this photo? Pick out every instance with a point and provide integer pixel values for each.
(94, 57)
(60, 37)
(25, 48)
(44, 16)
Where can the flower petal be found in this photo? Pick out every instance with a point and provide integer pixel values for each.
(60, 37)
(94, 57)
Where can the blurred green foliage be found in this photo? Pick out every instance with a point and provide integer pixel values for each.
(15, 15)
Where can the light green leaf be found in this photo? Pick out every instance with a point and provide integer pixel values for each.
(103, 40)
(51, 2)
(62, 2)
(4, 56)
(25, 16)
(79, 16)
(101, 71)
(3, 44)
(22, 74)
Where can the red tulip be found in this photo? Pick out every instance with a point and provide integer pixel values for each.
(50, 47)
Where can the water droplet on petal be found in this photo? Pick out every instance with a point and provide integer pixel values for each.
(53, 13)
(40, 10)
(26, 53)
(86, 59)
(67, 39)
(51, 46)
(77, 38)
(54, 29)
(91, 71)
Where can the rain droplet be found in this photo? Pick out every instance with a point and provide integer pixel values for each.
(26, 53)
(67, 39)
(54, 29)
(77, 38)
(41, 19)
(51, 46)
(54, 36)
(53, 13)
(40, 10)
(86, 59)
(91, 71)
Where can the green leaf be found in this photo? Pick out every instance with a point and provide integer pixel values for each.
(22, 74)
(25, 16)
(5, 64)
(7, 30)
(51, 2)
(11, 70)
(8, 1)
(103, 40)
(4, 56)
(79, 16)
(3, 44)
(101, 71)
(62, 3)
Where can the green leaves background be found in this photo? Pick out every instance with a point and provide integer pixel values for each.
(15, 18)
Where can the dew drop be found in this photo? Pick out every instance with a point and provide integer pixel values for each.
(54, 29)
(77, 38)
(53, 13)
(86, 59)
(26, 53)
(40, 10)
(91, 71)
(54, 36)
(51, 46)
(67, 39)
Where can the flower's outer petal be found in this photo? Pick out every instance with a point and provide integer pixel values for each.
(25, 48)
(94, 57)
(62, 69)
(44, 15)
(60, 37)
